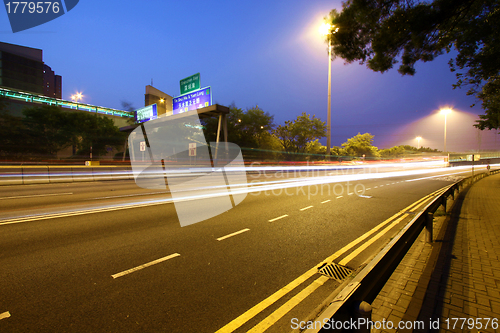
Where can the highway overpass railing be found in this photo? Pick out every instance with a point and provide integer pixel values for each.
(353, 301)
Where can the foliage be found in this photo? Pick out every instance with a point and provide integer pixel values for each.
(11, 131)
(45, 130)
(247, 129)
(396, 151)
(361, 144)
(127, 106)
(382, 33)
(295, 135)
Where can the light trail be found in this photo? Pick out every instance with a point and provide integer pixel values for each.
(245, 188)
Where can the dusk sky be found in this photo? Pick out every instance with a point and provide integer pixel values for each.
(265, 53)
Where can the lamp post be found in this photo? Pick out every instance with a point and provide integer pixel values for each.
(418, 138)
(326, 30)
(445, 112)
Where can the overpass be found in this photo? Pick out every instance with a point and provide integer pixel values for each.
(120, 117)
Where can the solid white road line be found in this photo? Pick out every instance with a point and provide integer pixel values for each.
(448, 174)
(128, 271)
(278, 218)
(4, 315)
(302, 209)
(128, 195)
(233, 234)
(35, 196)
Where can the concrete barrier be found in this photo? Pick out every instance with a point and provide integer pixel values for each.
(82, 174)
(35, 175)
(122, 173)
(60, 174)
(19, 175)
(11, 175)
(101, 173)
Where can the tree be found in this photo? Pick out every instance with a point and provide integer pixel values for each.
(361, 144)
(247, 129)
(127, 106)
(382, 33)
(91, 131)
(295, 135)
(11, 133)
(48, 129)
(396, 151)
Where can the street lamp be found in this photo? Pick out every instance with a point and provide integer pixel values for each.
(418, 138)
(76, 97)
(445, 112)
(327, 29)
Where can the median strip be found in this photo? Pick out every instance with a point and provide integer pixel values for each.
(135, 269)
(233, 234)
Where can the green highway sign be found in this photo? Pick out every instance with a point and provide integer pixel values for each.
(191, 83)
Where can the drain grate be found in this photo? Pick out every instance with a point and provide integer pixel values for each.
(335, 271)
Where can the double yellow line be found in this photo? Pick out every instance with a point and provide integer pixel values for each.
(290, 304)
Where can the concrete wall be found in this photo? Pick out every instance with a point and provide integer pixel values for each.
(22, 175)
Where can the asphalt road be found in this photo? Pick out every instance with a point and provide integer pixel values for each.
(92, 267)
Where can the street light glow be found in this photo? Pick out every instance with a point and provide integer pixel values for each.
(446, 112)
(77, 97)
(325, 28)
(418, 138)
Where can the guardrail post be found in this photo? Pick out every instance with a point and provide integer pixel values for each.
(428, 227)
(363, 313)
(445, 199)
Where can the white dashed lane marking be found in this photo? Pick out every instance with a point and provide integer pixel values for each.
(233, 234)
(154, 262)
(278, 218)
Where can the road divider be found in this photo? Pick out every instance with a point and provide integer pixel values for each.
(29, 174)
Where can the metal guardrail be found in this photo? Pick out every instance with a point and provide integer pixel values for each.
(366, 285)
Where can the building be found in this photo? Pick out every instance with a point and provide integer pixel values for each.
(22, 69)
(52, 84)
(164, 102)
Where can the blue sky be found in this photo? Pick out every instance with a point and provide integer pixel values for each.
(265, 53)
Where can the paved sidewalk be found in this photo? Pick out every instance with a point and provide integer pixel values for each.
(454, 284)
